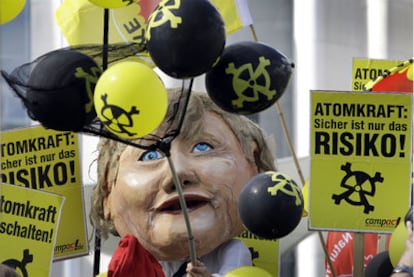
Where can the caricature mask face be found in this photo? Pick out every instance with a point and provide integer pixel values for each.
(212, 169)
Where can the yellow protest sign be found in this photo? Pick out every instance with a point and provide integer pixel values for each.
(28, 227)
(48, 160)
(265, 253)
(365, 70)
(360, 160)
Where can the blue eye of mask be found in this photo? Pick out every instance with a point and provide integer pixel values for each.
(151, 155)
(202, 147)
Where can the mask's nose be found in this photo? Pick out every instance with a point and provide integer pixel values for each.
(182, 169)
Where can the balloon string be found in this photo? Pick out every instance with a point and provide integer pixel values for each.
(193, 256)
(97, 249)
(105, 40)
(295, 159)
(165, 147)
(187, 99)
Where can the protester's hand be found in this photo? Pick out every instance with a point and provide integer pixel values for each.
(197, 270)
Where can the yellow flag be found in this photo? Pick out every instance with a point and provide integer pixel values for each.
(235, 13)
(81, 22)
(366, 70)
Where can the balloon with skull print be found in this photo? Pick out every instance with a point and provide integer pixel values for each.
(130, 99)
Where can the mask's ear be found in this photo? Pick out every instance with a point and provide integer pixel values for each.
(107, 200)
(107, 206)
(111, 175)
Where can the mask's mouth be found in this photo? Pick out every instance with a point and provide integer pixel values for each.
(173, 206)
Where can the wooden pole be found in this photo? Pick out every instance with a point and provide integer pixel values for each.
(358, 254)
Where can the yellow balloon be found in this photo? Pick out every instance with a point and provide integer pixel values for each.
(130, 99)
(9, 9)
(248, 271)
(111, 3)
(305, 193)
(397, 242)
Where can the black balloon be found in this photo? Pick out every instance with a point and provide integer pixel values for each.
(250, 77)
(271, 205)
(379, 266)
(61, 86)
(185, 38)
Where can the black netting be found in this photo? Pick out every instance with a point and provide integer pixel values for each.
(65, 115)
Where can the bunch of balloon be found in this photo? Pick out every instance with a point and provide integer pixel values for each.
(10, 9)
(249, 78)
(185, 38)
(271, 205)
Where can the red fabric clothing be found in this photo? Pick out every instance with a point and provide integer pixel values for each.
(340, 246)
(131, 259)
